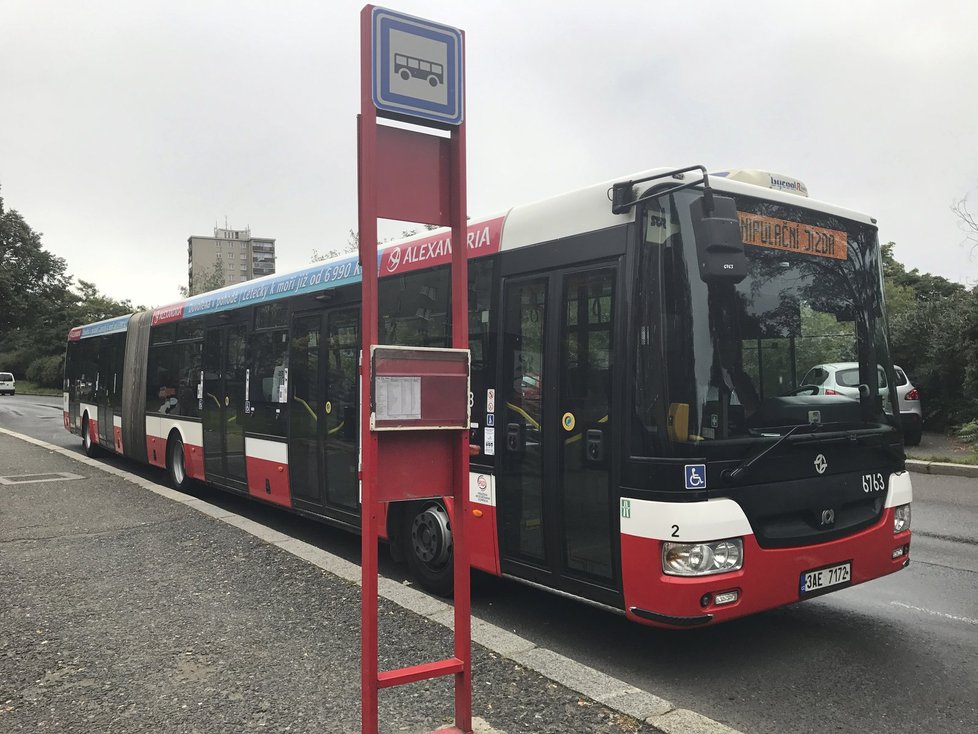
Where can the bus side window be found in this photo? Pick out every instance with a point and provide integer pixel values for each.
(414, 309)
(646, 371)
(268, 354)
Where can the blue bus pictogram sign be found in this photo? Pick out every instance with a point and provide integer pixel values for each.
(417, 67)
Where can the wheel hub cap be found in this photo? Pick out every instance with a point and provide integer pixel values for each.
(431, 536)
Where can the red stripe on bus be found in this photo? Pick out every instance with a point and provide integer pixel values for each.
(268, 480)
(156, 451)
(481, 529)
(193, 461)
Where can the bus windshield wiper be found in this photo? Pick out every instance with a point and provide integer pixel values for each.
(733, 475)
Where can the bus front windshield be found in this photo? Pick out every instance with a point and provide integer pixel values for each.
(799, 344)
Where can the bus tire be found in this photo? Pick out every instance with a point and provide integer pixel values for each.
(88, 445)
(426, 537)
(176, 466)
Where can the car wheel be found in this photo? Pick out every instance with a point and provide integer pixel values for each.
(176, 466)
(913, 438)
(88, 445)
(427, 543)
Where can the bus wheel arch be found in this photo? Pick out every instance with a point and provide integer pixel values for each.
(176, 465)
(426, 542)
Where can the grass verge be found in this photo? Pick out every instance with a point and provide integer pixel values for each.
(29, 388)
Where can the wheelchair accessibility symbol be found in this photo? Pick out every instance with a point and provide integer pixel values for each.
(695, 476)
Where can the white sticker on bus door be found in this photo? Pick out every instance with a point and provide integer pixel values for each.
(490, 400)
(489, 442)
(247, 391)
(283, 388)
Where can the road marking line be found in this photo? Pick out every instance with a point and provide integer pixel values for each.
(966, 620)
(59, 476)
(587, 681)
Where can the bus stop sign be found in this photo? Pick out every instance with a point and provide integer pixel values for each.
(417, 68)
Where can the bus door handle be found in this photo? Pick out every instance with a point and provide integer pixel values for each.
(515, 438)
(594, 446)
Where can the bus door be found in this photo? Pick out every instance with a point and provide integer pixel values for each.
(323, 412)
(556, 507)
(225, 366)
(106, 379)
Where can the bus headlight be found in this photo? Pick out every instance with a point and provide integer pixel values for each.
(702, 559)
(901, 518)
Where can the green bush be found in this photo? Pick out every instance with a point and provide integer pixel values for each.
(15, 360)
(46, 371)
(969, 432)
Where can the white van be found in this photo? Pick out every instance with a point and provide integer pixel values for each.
(7, 383)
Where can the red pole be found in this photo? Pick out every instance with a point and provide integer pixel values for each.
(460, 340)
(367, 164)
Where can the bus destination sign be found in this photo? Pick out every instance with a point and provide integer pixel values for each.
(781, 234)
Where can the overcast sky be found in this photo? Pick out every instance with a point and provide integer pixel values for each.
(126, 127)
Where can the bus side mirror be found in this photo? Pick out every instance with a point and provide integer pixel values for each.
(719, 248)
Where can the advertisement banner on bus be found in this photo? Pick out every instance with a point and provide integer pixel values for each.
(109, 326)
(483, 239)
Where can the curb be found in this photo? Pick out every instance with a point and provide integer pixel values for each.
(611, 692)
(940, 467)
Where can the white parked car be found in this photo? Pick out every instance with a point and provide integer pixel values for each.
(911, 412)
(842, 378)
(7, 384)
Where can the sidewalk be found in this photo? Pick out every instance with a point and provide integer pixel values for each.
(947, 450)
(123, 610)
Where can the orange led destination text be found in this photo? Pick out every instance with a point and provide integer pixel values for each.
(780, 234)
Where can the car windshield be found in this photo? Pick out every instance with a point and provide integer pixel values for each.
(737, 354)
(6, 376)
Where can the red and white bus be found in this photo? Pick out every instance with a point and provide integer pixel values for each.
(640, 438)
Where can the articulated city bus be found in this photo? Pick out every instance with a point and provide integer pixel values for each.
(641, 437)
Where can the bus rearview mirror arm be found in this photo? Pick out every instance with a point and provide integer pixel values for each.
(620, 193)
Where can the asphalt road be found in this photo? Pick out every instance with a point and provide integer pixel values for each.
(899, 653)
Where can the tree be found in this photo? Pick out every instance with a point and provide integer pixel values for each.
(40, 303)
(934, 337)
(967, 221)
(94, 306)
(33, 282)
(352, 245)
(209, 280)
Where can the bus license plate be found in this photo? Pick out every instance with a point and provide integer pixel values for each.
(824, 579)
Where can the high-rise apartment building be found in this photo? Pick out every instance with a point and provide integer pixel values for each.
(232, 252)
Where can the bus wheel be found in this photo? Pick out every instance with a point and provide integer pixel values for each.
(88, 446)
(176, 467)
(427, 539)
